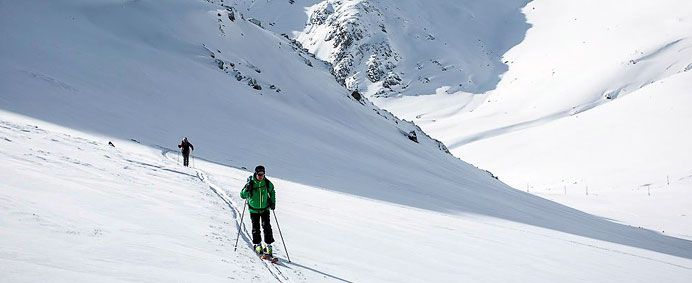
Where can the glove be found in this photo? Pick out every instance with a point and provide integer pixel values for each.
(272, 205)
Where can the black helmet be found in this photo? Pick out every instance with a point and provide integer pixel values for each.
(259, 168)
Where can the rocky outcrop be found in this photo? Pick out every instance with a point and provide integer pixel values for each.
(360, 53)
(360, 50)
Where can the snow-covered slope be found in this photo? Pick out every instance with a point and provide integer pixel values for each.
(576, 56)
(469, 70)
(502, 84)
(358, 199)
(75, 209)
(186, 69)
(562, 115)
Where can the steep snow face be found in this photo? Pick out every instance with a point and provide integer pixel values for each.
(393, 48)
(191, 69)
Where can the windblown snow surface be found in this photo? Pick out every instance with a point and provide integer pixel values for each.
(358, 201)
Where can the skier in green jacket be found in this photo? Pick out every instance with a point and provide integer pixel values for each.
(260, 195)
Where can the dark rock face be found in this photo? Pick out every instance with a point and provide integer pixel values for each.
(342, 68)
(356, 95)
(375, 72)
(391, 80)
(256, 22)
(231, 14)
(348, 33)
(253, 83)
(412, 136)
(219, 63)
(359, 51)
(320, 15)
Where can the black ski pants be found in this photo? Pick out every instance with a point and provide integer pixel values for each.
(266, 227)
(186, 159)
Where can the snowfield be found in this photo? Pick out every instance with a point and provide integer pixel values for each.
(76, 209)
(359, 197)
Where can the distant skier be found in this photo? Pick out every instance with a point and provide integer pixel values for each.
(260, 195)
(186, 146)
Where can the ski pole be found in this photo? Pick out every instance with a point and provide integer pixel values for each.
(240, 227)
(282, 236)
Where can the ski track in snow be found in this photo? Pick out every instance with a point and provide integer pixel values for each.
(278, 274)
(272, 268)
(282, 273)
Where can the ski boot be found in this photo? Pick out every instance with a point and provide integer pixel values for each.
(268, 253)
(258, 249)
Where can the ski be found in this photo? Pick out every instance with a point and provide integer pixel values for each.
(267, 257)
(270, 258)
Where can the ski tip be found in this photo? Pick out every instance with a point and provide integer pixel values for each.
(270, 258)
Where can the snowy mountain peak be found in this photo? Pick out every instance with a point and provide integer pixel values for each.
(392, 48)
(352, 36)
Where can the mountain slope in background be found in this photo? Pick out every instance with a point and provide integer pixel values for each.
(352, 181)
(501, 84)
(400, 48)
(594, 97)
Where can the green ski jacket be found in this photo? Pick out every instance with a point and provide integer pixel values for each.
(259, 194)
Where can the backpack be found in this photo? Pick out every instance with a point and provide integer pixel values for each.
(251, 183)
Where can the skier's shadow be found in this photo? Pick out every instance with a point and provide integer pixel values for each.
(317, 271)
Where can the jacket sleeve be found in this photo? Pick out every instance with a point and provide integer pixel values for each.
(272, 193)
(192, 147)
(244, 192)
